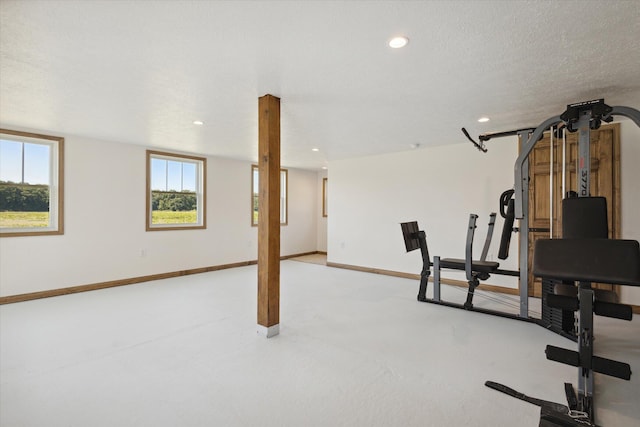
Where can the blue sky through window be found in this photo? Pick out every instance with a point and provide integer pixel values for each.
(36, 162)
(170, 175)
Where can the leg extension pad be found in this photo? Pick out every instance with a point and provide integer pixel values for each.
(598, 364)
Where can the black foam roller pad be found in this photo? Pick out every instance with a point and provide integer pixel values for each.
(611, 367)
(562, 302)
(562, 355)
(616, 311)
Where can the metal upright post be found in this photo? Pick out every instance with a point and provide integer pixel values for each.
(564, 163)
(585, 293)
(585, 346)
(524, 233)
(584, 155)
(551, 187)
(426, 267)
(469, 246)
(436, 278)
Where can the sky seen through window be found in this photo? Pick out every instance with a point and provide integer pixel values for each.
(36, 162)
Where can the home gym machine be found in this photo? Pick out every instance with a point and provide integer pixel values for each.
(475, 270)
(584, 255)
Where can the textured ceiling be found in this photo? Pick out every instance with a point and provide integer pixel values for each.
(142, 71)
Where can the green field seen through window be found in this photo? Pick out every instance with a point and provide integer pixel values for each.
(174, 217)
(10, 219)
(41, 219)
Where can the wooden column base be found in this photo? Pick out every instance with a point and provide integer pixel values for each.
(268, 332)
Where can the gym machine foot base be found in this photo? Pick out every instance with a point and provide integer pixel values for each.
(551, 414)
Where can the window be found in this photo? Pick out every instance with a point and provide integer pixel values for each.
(31, 184)
(284, 178)
(325, 197)
(176, 191)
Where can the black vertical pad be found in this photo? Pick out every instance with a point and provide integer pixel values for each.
(507, 230)
(585, 218)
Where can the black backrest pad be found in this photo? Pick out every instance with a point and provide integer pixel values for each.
(507, 230)
(584, 217)
(591, 260)
(410, 234)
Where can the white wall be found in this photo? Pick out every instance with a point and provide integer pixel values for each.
(439, 187)
(300, 235)
(322, 221)
(105, 223)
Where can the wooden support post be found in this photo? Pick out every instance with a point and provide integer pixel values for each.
(269, 215)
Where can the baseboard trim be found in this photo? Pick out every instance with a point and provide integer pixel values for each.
(282, 258)
(141, 279)
(453, 282)
(374, 270)
(129, 281)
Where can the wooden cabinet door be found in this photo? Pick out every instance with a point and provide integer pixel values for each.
(545, 212)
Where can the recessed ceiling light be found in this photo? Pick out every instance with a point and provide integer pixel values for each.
(198, 122)
(324, 167)
(483, 119)
(315, 149)
(398, 42)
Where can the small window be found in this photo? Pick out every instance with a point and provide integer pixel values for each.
(284, 178)
(325, 197)
(176, 191)
(31, 184)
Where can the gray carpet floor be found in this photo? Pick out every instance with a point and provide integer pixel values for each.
(354, 349)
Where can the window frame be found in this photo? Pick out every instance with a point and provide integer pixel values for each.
(201, 191)
(285, 172)
(56, 184)
(325, 200)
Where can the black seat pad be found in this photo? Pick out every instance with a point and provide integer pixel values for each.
(480, 266)
(590, 260)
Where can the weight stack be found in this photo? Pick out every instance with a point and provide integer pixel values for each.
(561, 322)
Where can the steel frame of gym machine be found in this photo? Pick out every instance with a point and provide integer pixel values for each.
(473, 276)
(475, 270)
(580, 411)
(574, 120)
